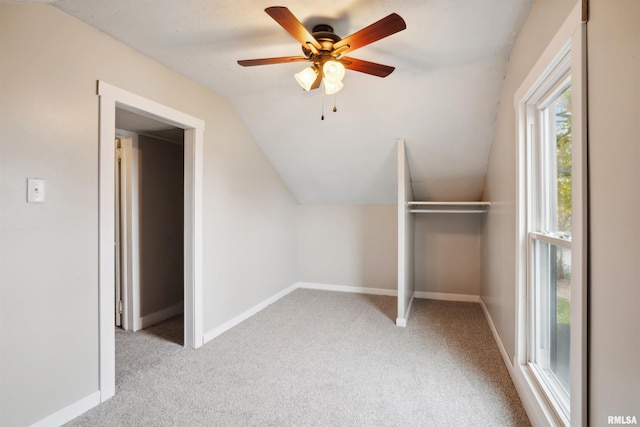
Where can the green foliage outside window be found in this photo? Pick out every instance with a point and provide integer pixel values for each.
(563, 144)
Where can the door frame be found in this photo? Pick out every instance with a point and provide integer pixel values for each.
(129, 231)
(111, 97)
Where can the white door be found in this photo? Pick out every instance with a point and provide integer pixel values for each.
(127, 292)
(118, 235)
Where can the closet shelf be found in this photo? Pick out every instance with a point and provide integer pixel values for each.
(448, 207)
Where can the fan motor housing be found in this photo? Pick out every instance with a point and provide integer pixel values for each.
(324, 34)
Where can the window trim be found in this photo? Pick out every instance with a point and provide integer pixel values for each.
(534, 369)
(570, 40)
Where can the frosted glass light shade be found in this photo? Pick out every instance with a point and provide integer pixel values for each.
(331, 88)
(306, 77)
(333, 71)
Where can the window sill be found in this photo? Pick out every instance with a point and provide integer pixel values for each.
(541, 411)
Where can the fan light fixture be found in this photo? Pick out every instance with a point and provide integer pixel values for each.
(333, 71)
(332, 74)
(325, 50)
(331, 88)
(307, 77)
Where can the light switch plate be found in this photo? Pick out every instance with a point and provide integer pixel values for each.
(35, 190)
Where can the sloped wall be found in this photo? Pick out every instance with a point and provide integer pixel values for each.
(499, 238)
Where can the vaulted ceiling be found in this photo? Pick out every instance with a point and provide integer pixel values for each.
(442, 98)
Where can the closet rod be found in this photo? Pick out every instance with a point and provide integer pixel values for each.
(447, 210)
(449, 203)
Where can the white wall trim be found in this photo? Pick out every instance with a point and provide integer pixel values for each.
(569, 40)
(551, 56)
(447, 297)
(130, 230)
(224, 327)
(74, 410)
(193, 237)
(496, 336)
(530, 400)
(402, 322)
(299, 285)
(406, 279)
(343, 288)
(111, 97)
(160, 315)
(145, 107)
(390, 292)
(106, 256)
(70, 412)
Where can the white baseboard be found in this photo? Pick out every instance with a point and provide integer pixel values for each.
(178, 308)
(160, 315)
(343, 288)
(496, 337)
(247, 314)
(537, 412)
(299, 285)
(410, 305)
(402, 321)
(74, 410)
(70, 412)
(447, 297)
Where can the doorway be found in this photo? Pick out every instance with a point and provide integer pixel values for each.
(110, 98)
(149, 221)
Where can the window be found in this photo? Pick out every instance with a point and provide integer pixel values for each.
(549, 238)
(550, 360)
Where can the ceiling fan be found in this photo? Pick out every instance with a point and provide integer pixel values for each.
(324, 49)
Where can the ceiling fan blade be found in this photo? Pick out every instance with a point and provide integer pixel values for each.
(374, 32)
(367, 67)
(292, 25)
(268, 61)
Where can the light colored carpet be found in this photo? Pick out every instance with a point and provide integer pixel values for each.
(318, 358)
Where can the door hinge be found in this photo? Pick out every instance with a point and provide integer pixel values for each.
(120, 307)
(118, 153)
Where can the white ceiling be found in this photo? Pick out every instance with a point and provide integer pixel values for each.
(442, 98)
(126, 120)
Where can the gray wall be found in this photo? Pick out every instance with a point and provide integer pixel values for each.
(357, 246)
(448, 253)
(49, 252)
(348, 245)
(614, 152)
(614, 155)
(499, 238)
(161, 224)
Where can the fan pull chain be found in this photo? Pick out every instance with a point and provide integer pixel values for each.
(322, 116)
(334, 103)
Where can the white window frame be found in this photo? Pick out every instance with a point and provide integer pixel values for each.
(569, 44)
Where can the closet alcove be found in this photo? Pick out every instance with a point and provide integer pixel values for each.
(408, 208)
